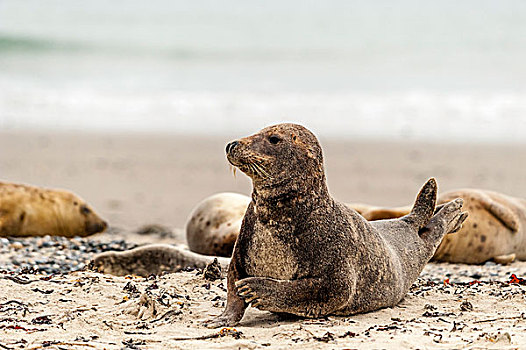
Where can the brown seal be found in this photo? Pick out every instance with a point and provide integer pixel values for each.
(495, 229)
(301, 252)
(34, 211)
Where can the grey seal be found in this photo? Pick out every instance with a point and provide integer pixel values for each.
(302, 252)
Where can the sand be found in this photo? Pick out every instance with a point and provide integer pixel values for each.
(88, 310)
(133, 180)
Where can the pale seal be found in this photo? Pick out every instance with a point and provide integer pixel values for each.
(495, 229)
(214, 224)
(301, 252)
(33, 211)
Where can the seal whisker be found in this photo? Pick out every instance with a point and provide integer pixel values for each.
(260, 171)
(233, 169)
(263, 171)
(252, 168)
(256, 169)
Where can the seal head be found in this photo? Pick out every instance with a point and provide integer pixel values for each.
(285, 163)
(33, 211)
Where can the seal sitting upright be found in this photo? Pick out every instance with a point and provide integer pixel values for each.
(301, 252)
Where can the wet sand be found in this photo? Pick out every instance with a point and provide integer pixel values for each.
(140, 179)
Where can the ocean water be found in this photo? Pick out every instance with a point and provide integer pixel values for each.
(422, 70)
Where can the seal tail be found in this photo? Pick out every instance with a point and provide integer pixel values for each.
(424, 206)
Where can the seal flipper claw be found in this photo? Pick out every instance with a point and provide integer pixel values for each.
(448, 220)
(424, 206)
(458, 225)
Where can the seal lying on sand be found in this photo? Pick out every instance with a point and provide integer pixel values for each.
(215, 222)
(152, 259)
(301, 252)
(211, 232)
(33, 211)
(495, 229)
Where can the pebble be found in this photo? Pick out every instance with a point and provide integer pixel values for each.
(16, 245)
(438, 272)
(53, 254)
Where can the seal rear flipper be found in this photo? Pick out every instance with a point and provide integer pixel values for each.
(448, 220)
(424, 206)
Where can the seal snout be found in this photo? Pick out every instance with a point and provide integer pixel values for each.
(96, 227)
(230, 147)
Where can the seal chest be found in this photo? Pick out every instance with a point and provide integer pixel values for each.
(269, 256)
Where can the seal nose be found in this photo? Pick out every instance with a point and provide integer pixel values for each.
(230, 147)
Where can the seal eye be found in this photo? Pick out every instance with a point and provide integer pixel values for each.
(274, 139)
(85, 210)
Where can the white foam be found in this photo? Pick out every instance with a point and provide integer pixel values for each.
(493, 117)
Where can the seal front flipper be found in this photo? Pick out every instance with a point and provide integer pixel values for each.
(235, 305)
(504, 259)
(308, 297)
(502, 213)
(424, 206)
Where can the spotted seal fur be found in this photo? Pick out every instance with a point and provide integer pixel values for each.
(34, 211)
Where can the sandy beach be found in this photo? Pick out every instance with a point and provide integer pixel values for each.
(86, 310)
(130, 104)
(132, 180)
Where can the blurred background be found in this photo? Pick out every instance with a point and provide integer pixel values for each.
(130, 103)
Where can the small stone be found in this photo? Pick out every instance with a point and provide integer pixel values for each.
(429, 307)
(466, 306)
(16, 245)
(212, 271)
